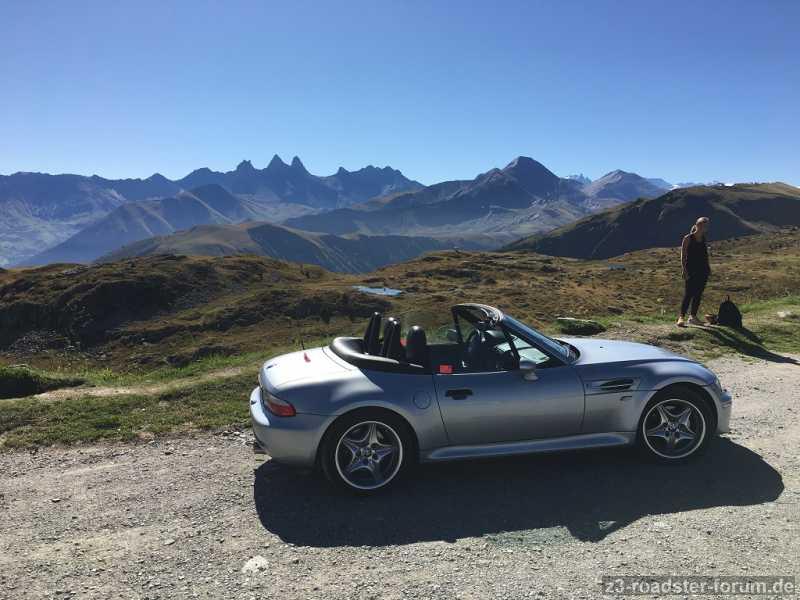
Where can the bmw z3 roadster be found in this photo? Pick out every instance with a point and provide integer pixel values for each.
(365, 409)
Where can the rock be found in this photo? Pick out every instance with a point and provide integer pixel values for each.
(787, 314)
(573, 326)
(257, 564)
(169, 542)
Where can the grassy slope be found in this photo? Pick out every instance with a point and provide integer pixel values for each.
(638, 301)
(660, 222)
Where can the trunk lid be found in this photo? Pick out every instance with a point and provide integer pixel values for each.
(316, 363)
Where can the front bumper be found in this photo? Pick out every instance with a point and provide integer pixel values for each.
(724, 414)
(724, 403)
(288, 440)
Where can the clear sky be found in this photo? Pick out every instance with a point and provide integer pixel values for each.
(441, 89)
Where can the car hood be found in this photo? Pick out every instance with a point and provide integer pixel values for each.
(593, 351)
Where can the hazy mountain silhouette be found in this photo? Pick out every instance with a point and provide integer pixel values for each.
(133, 221)
(500, 205)
(38, 210)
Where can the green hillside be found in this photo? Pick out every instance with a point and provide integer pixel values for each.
(738, 210)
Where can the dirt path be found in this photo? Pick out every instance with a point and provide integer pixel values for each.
(149, 389)
(189, 517)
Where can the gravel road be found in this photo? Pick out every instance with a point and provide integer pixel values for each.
(190, 517)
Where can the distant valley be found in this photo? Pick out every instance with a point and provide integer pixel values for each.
(347, 254)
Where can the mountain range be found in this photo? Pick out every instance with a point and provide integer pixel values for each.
(79, 219)
(39, 210)
(500, 205)
(734, 210)
(348, 254)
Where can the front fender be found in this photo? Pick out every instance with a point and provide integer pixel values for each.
(620, 411)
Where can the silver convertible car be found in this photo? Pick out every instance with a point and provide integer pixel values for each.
(366, 409)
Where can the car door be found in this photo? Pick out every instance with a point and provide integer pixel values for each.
(481, 408)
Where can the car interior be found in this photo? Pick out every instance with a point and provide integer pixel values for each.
(475, 345)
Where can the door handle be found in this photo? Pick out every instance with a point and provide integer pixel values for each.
(458, 394)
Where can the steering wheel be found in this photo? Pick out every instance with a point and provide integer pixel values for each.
(471, 336)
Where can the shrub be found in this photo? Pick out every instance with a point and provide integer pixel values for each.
(17, 382)
(572, 326)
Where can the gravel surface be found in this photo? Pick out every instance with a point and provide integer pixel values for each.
(190, 517)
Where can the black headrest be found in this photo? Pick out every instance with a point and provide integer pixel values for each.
(372, 336)
(417, 347)
(392, 348)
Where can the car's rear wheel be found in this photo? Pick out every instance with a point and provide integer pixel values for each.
(676, 425)
(366, 451)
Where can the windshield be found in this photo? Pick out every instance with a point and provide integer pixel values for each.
(561, 350)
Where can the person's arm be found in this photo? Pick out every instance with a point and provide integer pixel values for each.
(684, 255)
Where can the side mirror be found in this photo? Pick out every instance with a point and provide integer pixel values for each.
(528, 369)
(452, 335)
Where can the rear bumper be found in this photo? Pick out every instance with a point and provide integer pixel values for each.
(288, 440)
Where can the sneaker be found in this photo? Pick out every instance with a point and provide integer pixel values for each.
(694, 321)
(681, 322)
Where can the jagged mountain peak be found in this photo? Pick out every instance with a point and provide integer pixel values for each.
(245, 165)
(298, 164)
(619, 174)
(579, 178)
(524, 162)
(276, 163)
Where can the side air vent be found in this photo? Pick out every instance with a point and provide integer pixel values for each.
(610, 386)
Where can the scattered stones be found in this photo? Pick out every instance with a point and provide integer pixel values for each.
(257, 564)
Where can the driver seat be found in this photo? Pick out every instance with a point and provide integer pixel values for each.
(476, 352)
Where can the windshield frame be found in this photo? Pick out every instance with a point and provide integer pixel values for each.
(560, 351)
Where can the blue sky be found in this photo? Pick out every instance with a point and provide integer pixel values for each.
(687, 91)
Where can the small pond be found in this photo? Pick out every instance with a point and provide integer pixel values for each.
(378, 291)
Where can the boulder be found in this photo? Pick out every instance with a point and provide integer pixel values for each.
(572, 326)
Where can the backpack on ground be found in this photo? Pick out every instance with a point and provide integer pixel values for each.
(729, 315)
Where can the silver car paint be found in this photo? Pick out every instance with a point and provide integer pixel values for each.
(321, 387)
(506, 407)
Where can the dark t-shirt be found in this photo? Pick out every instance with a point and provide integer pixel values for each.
(697, 258)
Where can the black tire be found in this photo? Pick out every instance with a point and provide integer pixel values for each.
(390, 430)
(674, 400)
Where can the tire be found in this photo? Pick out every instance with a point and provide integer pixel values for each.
(367, 451)
(676, 426)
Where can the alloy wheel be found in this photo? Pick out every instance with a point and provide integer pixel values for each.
(369, 455)
(674, 428)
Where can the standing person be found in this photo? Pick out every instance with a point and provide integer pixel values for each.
(696, 270)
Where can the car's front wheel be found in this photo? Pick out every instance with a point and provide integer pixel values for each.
(366, 451)
(676, 425)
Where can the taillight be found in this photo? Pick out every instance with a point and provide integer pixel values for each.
(276, 406)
